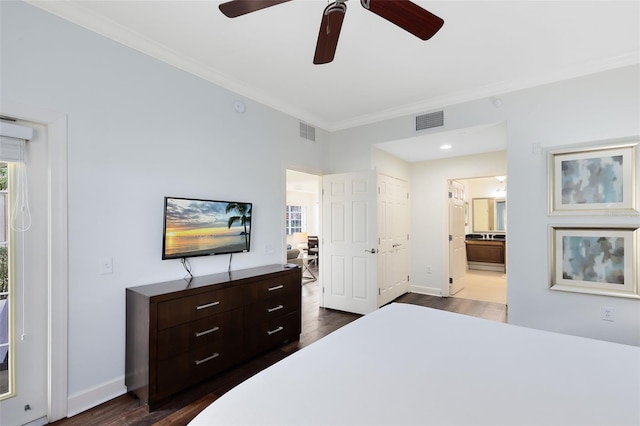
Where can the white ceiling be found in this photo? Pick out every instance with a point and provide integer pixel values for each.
(468, 141)
(380, 71)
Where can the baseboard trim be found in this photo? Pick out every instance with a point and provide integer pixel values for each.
(83, 401)
(429, 291)
(483, 266)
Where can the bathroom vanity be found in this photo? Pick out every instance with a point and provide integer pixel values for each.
(486, 253)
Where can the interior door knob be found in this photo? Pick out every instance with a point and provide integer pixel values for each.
(374, 251)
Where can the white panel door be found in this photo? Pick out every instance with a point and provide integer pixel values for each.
(457, 247)
(348, 265)
(393, 236)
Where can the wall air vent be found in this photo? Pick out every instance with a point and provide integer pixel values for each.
(307, 132)
(430, 120)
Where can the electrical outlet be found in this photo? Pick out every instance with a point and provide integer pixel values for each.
(607, 313)
(106, 265)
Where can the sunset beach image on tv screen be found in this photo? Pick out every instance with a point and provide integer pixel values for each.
(204, 227)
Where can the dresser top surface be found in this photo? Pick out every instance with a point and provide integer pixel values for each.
(158, 289)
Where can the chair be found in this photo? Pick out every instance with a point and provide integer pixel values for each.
(313, 253)
(293, 256)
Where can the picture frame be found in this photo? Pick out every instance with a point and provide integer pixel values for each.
(594, 180)
(595, 260)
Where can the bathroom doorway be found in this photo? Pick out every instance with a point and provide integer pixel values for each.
(485, 239)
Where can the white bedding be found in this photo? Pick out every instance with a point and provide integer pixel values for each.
(411, 365)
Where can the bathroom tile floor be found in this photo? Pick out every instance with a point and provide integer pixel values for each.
(487, 286)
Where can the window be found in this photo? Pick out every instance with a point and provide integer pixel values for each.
(296, 219)
(5, 349)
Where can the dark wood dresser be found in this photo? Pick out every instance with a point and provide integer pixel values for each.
(182, 332)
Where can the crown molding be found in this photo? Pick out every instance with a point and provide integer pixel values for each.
(631, 58)
(74, 12)
(79, 15)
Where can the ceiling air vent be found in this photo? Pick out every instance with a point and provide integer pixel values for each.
(430, 120)
(307, 132)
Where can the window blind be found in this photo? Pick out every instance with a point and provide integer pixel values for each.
(12, 139)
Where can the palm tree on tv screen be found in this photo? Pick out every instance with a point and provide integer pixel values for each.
(244, 216)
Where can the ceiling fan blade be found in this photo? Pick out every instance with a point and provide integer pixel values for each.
(235, 8)
(407, 15)
(330, 27)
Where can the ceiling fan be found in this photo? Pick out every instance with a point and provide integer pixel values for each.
(404, 13)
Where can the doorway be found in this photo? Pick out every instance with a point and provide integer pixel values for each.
(302, 221)
(485, 240)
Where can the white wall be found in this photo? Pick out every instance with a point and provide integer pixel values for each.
(138, 130)
(389, 165)
(593, 108)
(601, 106)
(429, 218)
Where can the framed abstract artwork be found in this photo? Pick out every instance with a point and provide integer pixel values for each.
(593, 180)
(594, 260)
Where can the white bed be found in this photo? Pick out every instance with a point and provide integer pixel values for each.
(410, 365)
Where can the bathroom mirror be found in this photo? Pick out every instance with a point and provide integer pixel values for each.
(489, 215)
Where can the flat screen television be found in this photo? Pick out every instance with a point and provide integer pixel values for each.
(194, 227)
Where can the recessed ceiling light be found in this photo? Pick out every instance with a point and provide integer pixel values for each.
(445, 146)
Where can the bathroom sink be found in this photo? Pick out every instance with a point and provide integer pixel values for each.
(485, 236)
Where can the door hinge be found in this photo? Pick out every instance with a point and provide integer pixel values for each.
(322, 289)
(379, 291)
(450, 237)
(450, 194)
(407, 195)
(450, 280)
(407, 237)
(408, 278)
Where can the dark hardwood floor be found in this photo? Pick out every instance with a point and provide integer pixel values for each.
(316, 323)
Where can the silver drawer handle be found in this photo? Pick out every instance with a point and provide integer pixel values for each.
(209, 358)
(278, 287)
(277, 308)
(208, 305)
(211, 330)
(275, 331)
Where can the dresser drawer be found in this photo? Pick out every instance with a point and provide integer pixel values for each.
(270, 309)
(191, 367)
(186, 309)
(274, 287)
(272, 332)
(225, 326)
